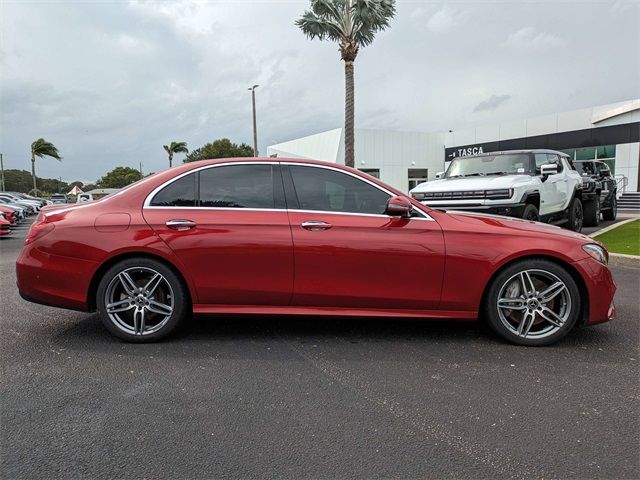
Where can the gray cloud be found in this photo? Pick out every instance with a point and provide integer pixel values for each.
(117, 80)
(491, 103)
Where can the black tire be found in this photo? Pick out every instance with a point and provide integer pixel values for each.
(531, 213)
(575, 216)
(568, 298)
(592, 212)
(611, 213)
(170, 296)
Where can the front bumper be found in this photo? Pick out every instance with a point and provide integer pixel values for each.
(506, 209)
(601, 289)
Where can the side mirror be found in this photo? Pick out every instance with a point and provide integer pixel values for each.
(399, 207)
(439, 175)
(548, 169)
(605, 172)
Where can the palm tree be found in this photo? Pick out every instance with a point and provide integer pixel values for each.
(41, 148)
(353, 24)
(175, 147)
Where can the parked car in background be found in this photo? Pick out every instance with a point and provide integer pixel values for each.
(58, 198)
(290, 236)
(5, 226)
(95, 194)
(9, 214)
(538, 185)
(32, 205)
(22, 210)
(601, 185)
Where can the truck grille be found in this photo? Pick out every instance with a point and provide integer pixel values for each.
(501, 194)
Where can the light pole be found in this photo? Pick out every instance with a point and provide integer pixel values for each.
(255, 131)
(2, 173)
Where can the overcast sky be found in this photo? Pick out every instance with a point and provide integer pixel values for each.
(110, 82)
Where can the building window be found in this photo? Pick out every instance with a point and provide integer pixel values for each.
(603, 153)
(418, 176)
(374, 172)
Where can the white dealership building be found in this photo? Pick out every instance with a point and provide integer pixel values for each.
(403, 159)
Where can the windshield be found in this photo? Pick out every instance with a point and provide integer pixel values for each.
(585, 168)
(489, 165)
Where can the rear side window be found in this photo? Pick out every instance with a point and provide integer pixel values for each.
(181, 193)
(331, 191)
(237, 186)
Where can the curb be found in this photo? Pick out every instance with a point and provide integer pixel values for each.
(622, 260)
(615, 225)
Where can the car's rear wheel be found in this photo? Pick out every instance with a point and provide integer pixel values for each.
(611, 213)
(533, 302)
(531, 213)
(575, 216)
(141, 300)
(592, 213)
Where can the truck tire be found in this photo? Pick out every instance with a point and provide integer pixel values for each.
(611, 213)
(531, 213)
(575, 216)
(592, 212)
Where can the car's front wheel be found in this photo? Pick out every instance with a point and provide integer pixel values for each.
(532, 302)
(575, 216)
(141, 300)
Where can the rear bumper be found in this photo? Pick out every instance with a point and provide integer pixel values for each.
(53, 280)
(601, 289)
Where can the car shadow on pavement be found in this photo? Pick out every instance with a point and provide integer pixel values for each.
(202, 336)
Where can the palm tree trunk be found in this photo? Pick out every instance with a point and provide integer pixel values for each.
(33, 172)
(348, 115)
(170, 159)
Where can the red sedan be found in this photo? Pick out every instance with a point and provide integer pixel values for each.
(267, 236)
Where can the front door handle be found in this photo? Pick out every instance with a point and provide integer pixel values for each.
(180, 224)
(315, 225)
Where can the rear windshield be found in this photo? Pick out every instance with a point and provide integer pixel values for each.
(587, 168)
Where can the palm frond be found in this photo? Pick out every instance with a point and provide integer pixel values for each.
(41, 148)
(176, 147)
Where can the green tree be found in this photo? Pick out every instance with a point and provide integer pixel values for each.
(222, 148)
(175, 147)
(352, 24)
(119, 177)
(41, 148)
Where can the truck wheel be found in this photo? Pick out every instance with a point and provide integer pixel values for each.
(611, 213)
(575, 215)
(531, 213)
(592, 213)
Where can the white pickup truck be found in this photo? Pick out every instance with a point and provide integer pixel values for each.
(540, 185)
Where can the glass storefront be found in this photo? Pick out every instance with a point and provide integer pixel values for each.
(604, 153)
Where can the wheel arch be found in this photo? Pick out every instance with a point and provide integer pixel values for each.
(532, 198)
(582, 287)
(97, 276)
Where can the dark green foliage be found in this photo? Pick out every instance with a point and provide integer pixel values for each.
(222, 148)
(21, 181)
(118, 177)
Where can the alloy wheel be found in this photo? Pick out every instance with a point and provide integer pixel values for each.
(534, 304)
(139, 301)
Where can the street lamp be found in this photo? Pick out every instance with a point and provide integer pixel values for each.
(255, 131)
(1, 173)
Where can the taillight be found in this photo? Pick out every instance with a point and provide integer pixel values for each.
(38, 230)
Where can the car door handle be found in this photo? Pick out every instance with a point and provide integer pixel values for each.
(315, 225)
(180, 224)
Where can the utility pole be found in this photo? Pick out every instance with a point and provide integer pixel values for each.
(2, 173)
(255, 131)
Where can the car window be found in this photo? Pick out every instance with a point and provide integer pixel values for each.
(180, 193)
(331, 191)
(237, 186)
(552, 158)
(541, 159)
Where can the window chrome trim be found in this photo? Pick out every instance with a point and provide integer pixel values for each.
(147, 201)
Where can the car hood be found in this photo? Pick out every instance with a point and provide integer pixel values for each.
(490, 182)
(523, 226)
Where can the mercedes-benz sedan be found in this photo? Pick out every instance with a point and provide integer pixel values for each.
(281, 236)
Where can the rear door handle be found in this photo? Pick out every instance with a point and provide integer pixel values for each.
(315, 225)
(180, 224)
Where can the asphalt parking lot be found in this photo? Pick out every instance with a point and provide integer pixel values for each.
(299, 398)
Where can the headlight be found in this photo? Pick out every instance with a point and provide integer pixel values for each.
(597, 252)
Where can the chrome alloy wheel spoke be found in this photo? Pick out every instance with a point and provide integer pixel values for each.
(128, 284)
(152, 285)
(159, 308)
(551, 292)
(120, 306)
(550, 316)
(527, 283)
(138, 320)
(517, 303)
(527, 321)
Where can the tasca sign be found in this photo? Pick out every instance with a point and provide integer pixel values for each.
(467, 150)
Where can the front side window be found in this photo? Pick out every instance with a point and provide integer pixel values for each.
(237, 186)
(327, 190)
